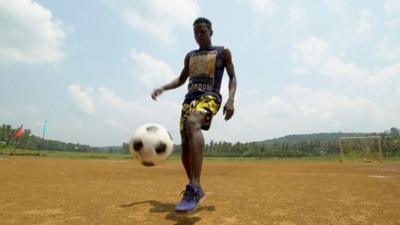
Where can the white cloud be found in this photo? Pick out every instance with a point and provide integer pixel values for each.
(340, 70)
(149, 70)
(392, 6)
(335, 5)
(302, 110)
(29, 33)
(297, 16)
(315, 55)
(387, 48)
(117, 125)
(265, 7)
(296, 90)
(158, 17)
(82, 98)
(86, 99)
(364, 25)
(386, 79)
(311, 51)
(112, 99)
(116, 117)
(393, 23)
(275, 107)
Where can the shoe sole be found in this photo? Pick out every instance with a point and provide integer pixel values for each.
(194, 209)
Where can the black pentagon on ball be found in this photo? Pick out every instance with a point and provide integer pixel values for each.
(160, 147)
(145, 163)
(137, 145)
(170, 136)
(152, 129)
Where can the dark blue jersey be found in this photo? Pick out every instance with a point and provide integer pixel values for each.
(206, 68)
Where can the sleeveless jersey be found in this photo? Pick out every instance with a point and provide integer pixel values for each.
(206, 69)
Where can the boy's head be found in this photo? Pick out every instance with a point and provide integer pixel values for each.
(202, 29)
(203, 20)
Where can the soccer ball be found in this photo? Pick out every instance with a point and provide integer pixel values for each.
(151, 144)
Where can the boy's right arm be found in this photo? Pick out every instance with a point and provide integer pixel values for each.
(174, 83)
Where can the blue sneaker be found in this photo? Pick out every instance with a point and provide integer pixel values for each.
(192, 196)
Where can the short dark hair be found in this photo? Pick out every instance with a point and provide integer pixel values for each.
(203, 20)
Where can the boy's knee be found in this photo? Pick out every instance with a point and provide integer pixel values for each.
(193, 123)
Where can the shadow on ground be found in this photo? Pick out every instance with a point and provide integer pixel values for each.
(179, 218)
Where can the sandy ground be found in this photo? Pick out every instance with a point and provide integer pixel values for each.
(53, 191)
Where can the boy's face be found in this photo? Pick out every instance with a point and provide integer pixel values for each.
(202, 34)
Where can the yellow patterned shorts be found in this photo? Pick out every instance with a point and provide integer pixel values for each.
(206, 105)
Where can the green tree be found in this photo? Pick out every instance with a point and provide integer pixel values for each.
(394, 131)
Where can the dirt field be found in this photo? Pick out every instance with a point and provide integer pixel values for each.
(55, 191)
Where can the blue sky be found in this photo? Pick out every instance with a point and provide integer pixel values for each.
(88, 67)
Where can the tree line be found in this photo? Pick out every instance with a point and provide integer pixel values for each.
(320, 144)
(32, 142)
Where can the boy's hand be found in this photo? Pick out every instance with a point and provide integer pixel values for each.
(157, 92)
(228, 109)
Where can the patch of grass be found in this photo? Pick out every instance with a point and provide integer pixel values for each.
(67, 155)
(174, 157)
(394, 159)
(284, 159)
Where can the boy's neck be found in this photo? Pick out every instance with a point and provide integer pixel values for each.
(205, 47)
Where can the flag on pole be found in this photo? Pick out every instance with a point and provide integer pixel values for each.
(45, 128)
(19, 132)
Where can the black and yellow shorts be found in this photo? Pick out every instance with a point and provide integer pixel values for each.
(206, 105)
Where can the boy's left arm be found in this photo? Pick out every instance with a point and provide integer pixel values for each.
(229, 108)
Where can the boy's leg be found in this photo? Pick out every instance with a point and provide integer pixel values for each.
(193, 193)
(192, 147)
(195, 117)
(185, 155)
(196, 145)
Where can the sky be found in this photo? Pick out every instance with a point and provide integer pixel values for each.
(88, 67)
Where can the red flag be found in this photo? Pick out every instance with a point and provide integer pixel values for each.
(19, 133)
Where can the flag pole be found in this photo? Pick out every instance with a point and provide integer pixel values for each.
(43, 134)
(15, 146)
(17, 136)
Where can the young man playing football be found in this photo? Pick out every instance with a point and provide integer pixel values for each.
(204, 67)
